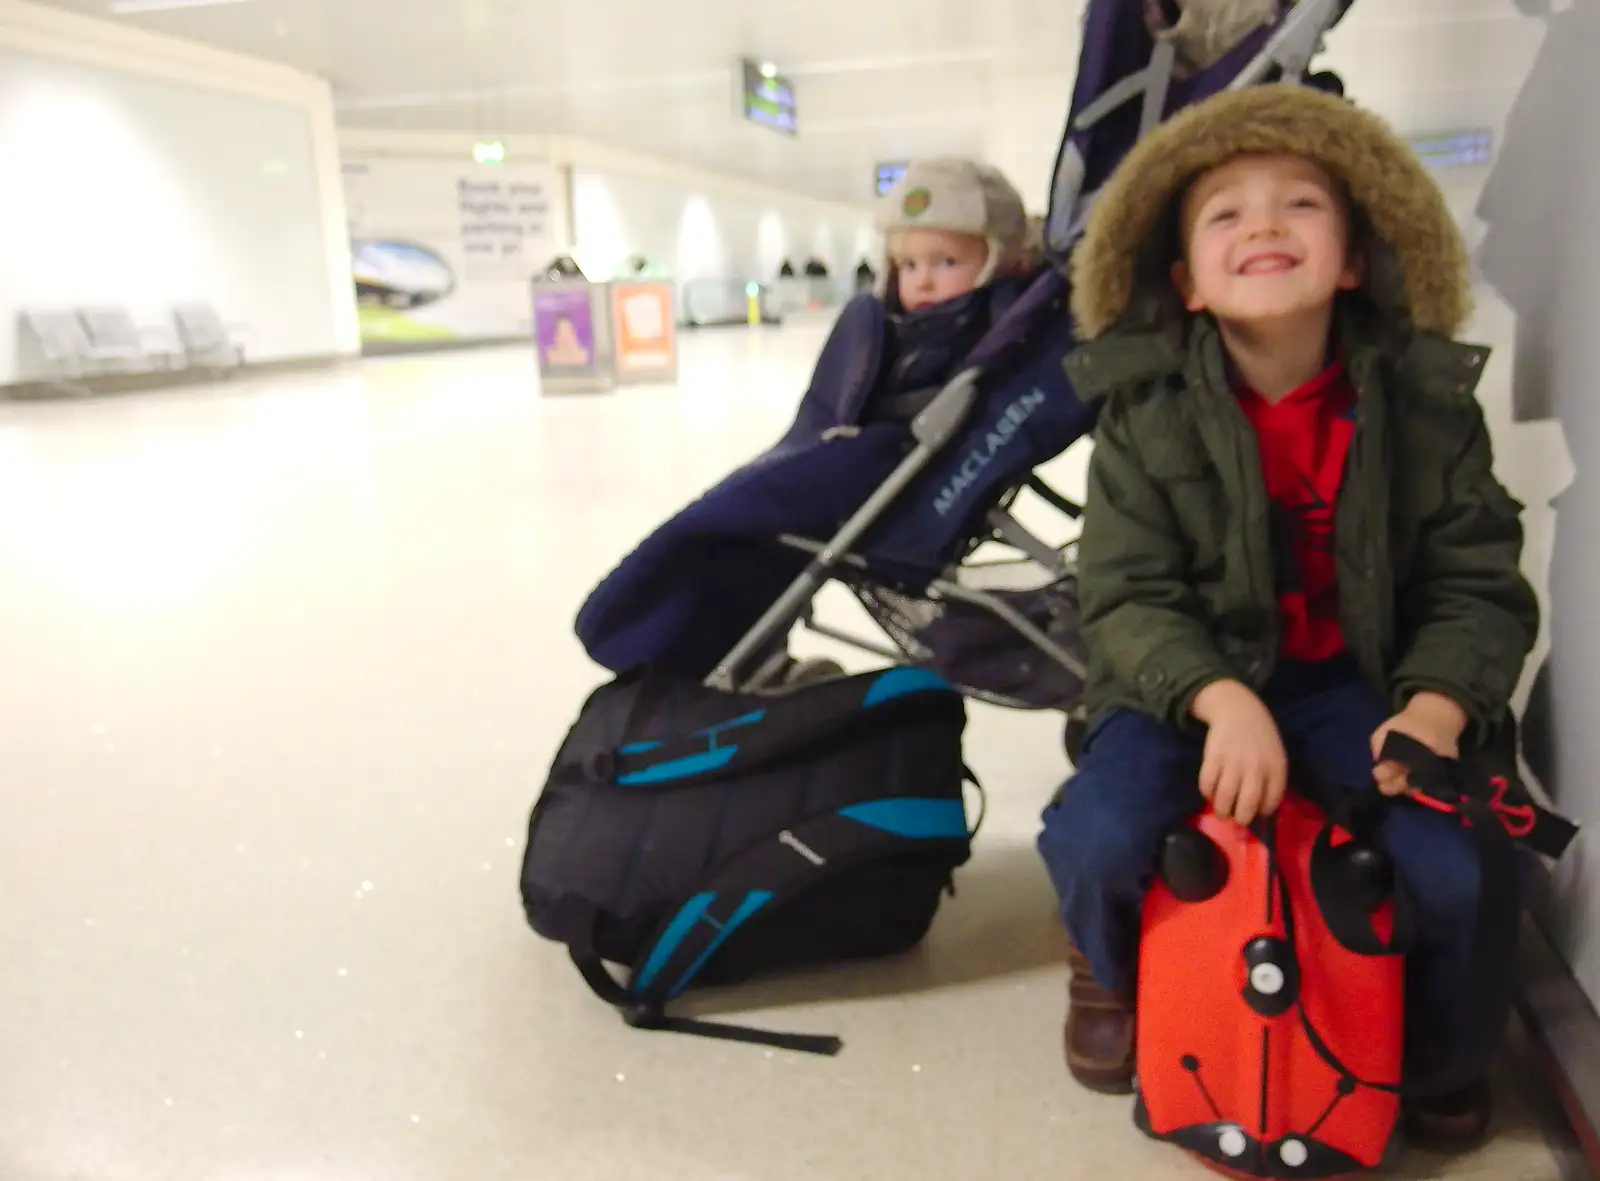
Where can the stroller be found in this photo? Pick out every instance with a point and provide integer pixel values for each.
(894, 501)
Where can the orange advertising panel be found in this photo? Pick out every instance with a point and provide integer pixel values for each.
(644, 330)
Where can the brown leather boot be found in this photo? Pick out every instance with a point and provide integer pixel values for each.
(1099, 1033)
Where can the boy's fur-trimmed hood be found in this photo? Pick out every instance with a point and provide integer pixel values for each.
(1405, 208)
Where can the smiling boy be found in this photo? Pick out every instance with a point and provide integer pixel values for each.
(1293, 539)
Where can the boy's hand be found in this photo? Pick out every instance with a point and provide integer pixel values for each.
(1433, 720)
(1245, 770)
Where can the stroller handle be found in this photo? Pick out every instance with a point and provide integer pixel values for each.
(932, 429)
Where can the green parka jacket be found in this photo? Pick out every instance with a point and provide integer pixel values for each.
(1175, 561)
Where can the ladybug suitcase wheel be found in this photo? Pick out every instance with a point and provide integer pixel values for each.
(1192, 866)
(1366, 874)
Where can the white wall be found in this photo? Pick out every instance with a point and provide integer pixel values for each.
(1540, 212)
(141, 171)
(700, 230)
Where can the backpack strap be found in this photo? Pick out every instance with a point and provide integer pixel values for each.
(761, 877)
(644, 1015)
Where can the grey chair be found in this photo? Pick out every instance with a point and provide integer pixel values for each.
(207, 340)
(55, 347)
(113, 332)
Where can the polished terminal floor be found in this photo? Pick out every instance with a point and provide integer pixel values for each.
(284, 663)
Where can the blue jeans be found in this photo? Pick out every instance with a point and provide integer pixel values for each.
(1137, 777)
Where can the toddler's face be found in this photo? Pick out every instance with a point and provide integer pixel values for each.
(935, 265)
(1266, 239)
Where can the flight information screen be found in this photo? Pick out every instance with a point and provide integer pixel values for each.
(767, 97)
(889, 175)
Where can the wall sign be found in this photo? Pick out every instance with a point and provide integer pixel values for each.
(445, 251)
(767, 97)
(889, 175)
(1455, 149)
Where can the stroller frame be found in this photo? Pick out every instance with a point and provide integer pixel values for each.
(1289, 49)
(932, 428)
(1053, 560)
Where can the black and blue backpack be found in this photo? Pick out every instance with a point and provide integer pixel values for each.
(698, 837)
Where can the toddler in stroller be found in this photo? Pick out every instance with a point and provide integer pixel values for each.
(959, 246)
(962, 287)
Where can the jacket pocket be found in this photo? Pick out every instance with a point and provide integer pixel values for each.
(1198, 501)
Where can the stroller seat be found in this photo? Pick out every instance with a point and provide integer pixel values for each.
(695, 586)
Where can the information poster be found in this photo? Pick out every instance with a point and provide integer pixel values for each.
(572, 335)
(564, 325)
(505, 225)
(445, 252)
(645, 331)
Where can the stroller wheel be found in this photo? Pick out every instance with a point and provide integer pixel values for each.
(810, 672)
(1077, 729)
(795, 674)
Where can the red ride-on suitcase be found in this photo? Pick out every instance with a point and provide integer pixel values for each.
(1270, 992)
(1247, 999)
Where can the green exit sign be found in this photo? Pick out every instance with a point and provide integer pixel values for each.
(489, 152)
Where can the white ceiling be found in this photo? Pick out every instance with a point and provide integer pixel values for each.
(874, 79)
